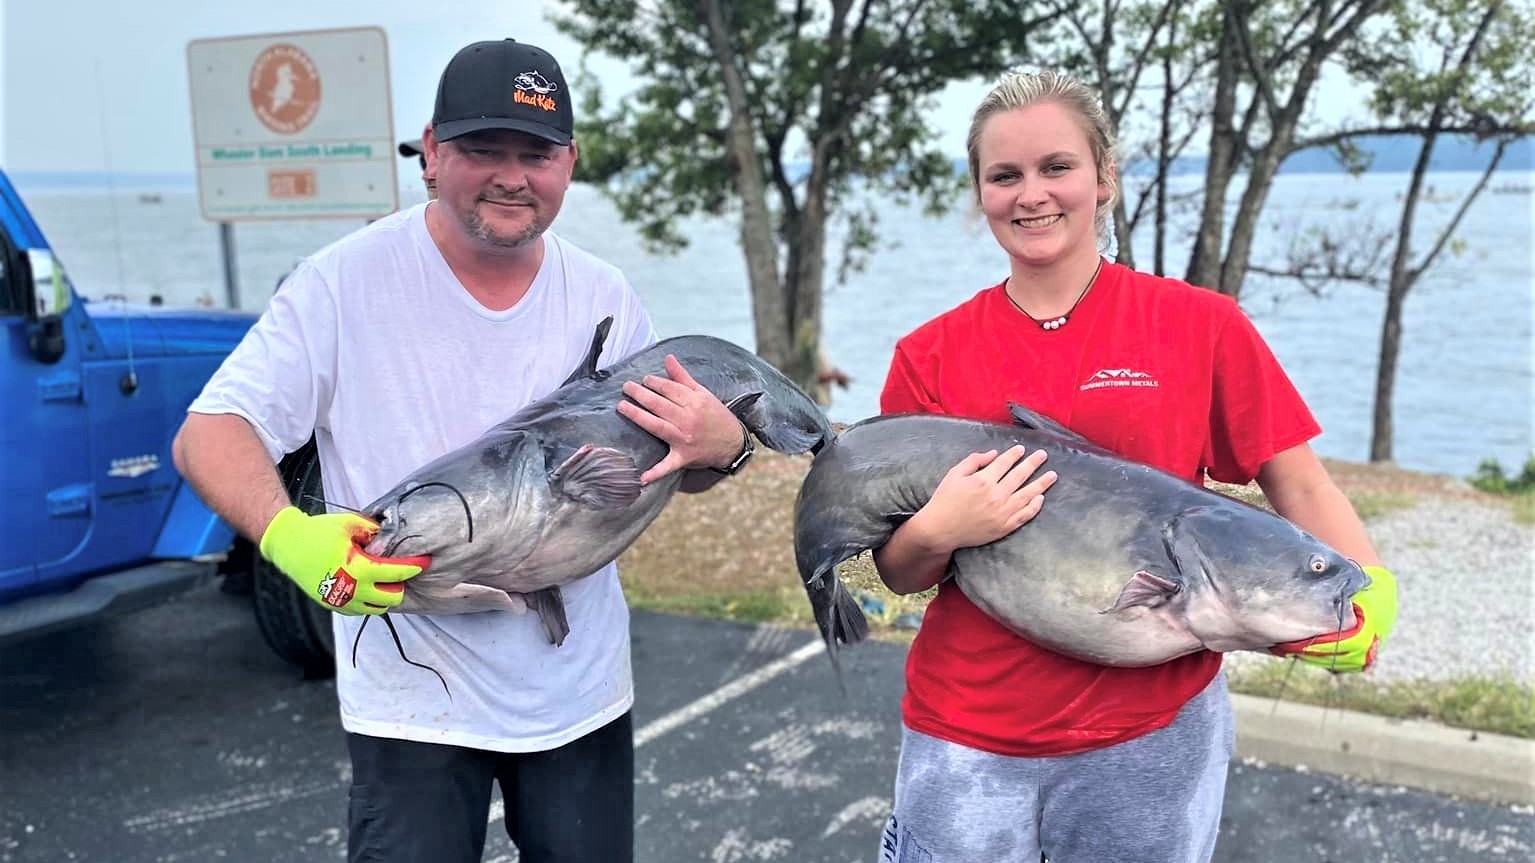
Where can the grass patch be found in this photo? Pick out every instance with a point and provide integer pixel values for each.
(1369, 503)
(1375, 504)
(741, 606)
(1500, 706)
(1524, 509)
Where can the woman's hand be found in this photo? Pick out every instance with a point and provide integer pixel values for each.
(985, 497)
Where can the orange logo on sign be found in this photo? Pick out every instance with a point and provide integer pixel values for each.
(284, 88)
(290, 184)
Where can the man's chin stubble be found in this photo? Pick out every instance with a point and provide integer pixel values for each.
(481, 231)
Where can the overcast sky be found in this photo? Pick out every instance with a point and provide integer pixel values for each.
(85, 84)
(90, 84)
(83, 79)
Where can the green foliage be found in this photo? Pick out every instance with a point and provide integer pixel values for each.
(1411, 59)
(861, 96)
(1489, 477)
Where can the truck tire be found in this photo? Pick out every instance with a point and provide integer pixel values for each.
(296, 628)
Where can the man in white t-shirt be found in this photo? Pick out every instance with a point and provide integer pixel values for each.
(399, 343)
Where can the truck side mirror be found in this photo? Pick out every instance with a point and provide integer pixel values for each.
(50, 296)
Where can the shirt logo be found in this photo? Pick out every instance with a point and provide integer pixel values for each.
(1118, 378)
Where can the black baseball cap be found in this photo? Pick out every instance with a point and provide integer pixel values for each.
(503, 85)
(413, 147)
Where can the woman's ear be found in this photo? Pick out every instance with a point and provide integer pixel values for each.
(1108, 180)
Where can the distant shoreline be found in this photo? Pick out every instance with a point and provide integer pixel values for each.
(1455, 154)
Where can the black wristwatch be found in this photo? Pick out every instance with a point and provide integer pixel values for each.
(747, 448)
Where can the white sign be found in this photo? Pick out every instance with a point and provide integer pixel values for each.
(293, 125)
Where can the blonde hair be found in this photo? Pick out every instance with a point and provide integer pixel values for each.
(1022, 89)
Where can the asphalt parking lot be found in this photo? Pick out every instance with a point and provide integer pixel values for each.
(174, 735)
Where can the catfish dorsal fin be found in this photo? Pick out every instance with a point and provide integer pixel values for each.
(1032, 420)
(588, 367)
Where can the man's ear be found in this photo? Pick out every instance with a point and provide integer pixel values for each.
(575, 154)
(429, 143)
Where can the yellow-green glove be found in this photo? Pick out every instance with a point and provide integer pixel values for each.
(323, 555)
(1354, 650)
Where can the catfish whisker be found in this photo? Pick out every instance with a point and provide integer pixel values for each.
(320, 500)
(358, 640)
(401, 648)
(468, 516)
(395, 634)
(1283, 684)
(399, 541)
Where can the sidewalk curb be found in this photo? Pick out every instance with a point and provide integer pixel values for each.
(1490, 767)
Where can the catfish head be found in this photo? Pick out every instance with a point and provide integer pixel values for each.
(1242, 578)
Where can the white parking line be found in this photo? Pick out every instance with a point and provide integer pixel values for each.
(732, 690)
(706, 704)
(248, 800)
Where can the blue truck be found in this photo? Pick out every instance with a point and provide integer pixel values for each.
(94, 518)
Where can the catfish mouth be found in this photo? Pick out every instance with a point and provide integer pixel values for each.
(390, 518)
(1348, 622)
(1349, 625)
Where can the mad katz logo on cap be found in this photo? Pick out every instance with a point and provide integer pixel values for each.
(284, 89)
(534, 89)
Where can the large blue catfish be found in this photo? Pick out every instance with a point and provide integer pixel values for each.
(1124, 565)
(553, 493)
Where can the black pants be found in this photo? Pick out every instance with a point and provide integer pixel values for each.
(426, 802)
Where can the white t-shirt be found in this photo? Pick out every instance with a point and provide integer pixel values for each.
(376, 346)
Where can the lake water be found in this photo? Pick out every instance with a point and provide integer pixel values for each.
(1464, 380)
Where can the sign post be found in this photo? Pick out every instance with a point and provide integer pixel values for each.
(292, 125)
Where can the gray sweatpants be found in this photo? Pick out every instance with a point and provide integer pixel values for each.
(1156, 798)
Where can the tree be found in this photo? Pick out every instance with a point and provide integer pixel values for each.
(1436, 68)
(788, 113)
(1116, 47)
(1269, 59)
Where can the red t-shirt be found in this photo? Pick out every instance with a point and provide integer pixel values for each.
(1153, 369)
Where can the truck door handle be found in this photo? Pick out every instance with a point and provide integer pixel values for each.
(70, 500)
(59, 388)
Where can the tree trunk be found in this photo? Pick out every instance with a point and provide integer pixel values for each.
(1233, 268)
(1164, 156)
(1401, 281)
(1205, 259)
(808, 242)
(1403, 274)
(758, 242)
(1119, 223)
(1382, 431)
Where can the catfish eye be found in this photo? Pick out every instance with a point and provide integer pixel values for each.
(1317, 564)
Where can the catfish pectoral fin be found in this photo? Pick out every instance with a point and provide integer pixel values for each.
(550, 606)
(465, 597)
(599, 477)
(1144, 589)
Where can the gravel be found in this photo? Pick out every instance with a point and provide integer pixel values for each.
(1466, 579)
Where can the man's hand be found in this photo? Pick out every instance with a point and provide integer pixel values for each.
(1375, 611)
(700, 430)
(323, 555)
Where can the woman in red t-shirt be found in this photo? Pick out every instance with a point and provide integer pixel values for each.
(1010, 750)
